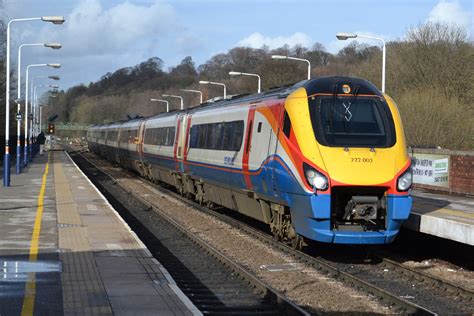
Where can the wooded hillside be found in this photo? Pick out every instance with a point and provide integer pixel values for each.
(429, 75)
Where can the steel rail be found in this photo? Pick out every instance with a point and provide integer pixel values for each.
(383, 295)
(286, 306)
(444, 285)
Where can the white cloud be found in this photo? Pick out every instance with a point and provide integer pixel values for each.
(98, 37)
(451, 12)
(257, 40)
(90, 29)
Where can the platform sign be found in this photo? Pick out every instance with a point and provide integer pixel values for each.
(430, 169)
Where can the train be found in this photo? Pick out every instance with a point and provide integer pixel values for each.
(322, 160)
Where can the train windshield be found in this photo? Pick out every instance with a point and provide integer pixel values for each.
(345, 121)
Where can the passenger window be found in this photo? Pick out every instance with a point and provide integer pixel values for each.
(217, 136)
(228, 136)
(259, 128)
(202, 136)
(194, 138)
(209, 136)
(171, 136)
(238, 134)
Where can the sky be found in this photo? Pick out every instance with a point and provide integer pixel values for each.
(103, 36)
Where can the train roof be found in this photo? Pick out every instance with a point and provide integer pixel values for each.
(336, 84)
(328, 84)
(280, 92)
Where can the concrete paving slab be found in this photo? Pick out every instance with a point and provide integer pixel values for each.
(445, 216)
(88, 261)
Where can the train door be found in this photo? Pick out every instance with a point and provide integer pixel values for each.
(119, 146)
(263, 156)
(273, 146)
(182, 127)
(247, 164)
(140, 164)
(140, 139)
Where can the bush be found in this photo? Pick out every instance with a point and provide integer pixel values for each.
(432, 119)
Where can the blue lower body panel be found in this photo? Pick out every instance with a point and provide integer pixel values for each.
(311, 216)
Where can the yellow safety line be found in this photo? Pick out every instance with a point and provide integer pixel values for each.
(30, 289)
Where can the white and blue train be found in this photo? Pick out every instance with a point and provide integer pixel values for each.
(324, 159)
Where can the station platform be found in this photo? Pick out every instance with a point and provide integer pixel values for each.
(65, 251)
(445, 216)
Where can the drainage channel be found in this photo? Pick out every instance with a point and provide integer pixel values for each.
(214, 283)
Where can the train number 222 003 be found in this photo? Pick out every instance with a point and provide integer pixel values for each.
(366, 160)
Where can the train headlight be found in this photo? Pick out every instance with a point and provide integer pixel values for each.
(315, 178)
(405, 181)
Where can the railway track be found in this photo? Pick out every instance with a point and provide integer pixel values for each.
(389, 281)
(212, 281)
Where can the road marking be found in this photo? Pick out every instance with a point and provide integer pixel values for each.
(30, 288)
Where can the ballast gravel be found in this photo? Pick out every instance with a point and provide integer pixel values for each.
(303, 284)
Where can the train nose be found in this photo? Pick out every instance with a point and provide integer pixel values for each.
(359, 166)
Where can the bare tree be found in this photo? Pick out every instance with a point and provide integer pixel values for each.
(429, 73)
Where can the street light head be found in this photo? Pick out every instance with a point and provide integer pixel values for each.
(53, 45)
(53, 86)
(279, 57)
(54, 77)
(204, 82)
(154, 100)
(165, 95)
(235, 73)
(344, 36)
(53, 19)
(54, 65)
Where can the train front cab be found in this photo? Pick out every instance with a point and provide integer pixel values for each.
(353, 159)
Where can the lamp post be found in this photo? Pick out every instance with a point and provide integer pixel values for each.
(40, 106)
(50, 45)
(217, 84)
(6, 160)
(295, 58)
(37, 129)
(175, 96)
(33, 81)
(237, 73)
(165, 101)
(345, 36)
(52, 95)
(32, 85)
(194, 91)
(18, 110)
(27, 148)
